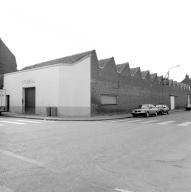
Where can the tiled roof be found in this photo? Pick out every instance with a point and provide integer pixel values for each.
(121, 67)
(68, 59)
(103, 62)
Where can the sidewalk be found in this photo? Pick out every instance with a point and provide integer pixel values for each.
(92, 118)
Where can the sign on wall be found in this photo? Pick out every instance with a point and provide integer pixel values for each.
(28, 82)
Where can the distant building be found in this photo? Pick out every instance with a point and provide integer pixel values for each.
(7, 61)
(82, 85)
(187, 80)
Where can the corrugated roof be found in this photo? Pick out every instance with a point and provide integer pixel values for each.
(68, 59)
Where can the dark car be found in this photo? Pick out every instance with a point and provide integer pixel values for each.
(163, 109)
(145, 110)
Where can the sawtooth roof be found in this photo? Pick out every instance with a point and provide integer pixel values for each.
(144, 74)
(160, 78)
(153, 76)
(121, 67)
(134, 70)
(103, 62)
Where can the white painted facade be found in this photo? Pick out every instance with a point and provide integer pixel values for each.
(65, 86)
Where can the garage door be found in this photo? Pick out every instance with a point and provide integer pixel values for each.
(30, 100)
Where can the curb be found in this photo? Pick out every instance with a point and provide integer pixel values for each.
(96, 118)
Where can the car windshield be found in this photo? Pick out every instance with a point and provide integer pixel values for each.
(143, 106)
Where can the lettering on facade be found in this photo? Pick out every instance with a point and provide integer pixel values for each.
(27, 82)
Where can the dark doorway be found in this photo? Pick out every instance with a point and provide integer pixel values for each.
(30, 100)
(7, 102)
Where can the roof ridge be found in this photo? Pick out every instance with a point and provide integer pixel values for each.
(68, 59)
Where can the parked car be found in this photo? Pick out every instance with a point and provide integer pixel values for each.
(145, 110)
(188, 107)
(163, 109)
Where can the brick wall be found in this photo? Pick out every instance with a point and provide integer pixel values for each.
(130, 90)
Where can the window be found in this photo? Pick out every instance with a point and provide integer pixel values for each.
(108, 99)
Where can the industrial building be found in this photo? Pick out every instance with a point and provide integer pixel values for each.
(82, 85)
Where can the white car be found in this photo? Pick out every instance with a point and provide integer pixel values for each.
(145, 110)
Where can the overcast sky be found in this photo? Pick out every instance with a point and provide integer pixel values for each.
(152, 34)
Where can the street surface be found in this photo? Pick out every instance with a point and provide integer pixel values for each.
(128, 155)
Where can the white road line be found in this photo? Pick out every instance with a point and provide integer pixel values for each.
(12, 122)
(185, 123)
(151, 121)
(132, 121)
(25, 159)
(1, 125)
(115, 121)
(120, 121)
(122, 190)
(165, 122)
(27, 121)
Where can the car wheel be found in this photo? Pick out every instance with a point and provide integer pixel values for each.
(134, 115)
(167, 112)
(147, 114)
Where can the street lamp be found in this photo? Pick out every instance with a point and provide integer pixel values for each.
(168, 73)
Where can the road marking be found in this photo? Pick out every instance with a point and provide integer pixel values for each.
(122, 190)
(116, 121)
(13, 122)
(1, 125)
(27, 121)
(165, 122)
(25, 159)
(151, 121)
(185, 123)
(123, 121)
(132, 121)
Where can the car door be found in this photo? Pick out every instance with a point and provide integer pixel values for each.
(152, 109)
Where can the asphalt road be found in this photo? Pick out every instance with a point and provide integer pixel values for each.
(130, 155)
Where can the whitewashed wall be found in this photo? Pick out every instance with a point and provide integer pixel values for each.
(75, 93)
(66, 86)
